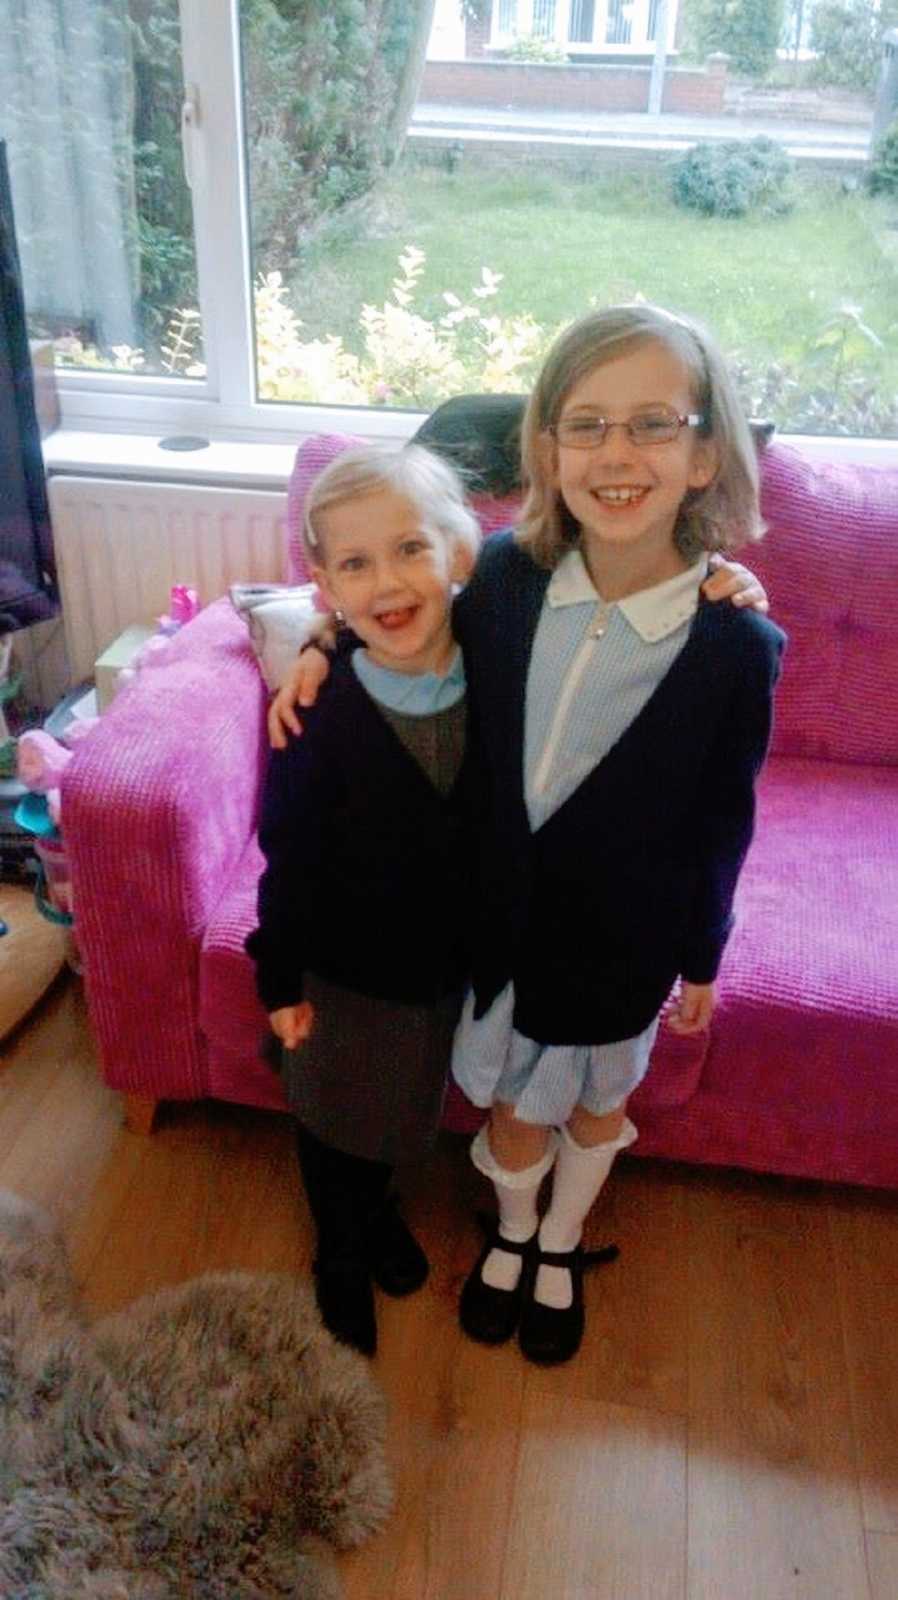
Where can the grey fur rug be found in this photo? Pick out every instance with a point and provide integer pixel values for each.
(209, 1442)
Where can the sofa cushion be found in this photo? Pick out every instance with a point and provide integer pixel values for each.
(278, 617)
(808, 1011)
(830, 563)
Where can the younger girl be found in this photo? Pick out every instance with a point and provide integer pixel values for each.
(359, 949)
(622, 722)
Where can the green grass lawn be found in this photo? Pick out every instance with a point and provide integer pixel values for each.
(767, 285)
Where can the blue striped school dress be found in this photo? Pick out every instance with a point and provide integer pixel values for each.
(592, 669)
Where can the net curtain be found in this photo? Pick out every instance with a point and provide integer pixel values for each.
(66, 109)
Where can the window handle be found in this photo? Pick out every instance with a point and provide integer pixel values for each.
(190, 122)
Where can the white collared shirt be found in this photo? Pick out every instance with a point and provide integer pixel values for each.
(653, 612)
(593, 667)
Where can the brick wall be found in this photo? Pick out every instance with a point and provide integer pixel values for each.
(514, 85)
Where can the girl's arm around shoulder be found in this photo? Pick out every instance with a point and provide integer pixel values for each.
(301, 686)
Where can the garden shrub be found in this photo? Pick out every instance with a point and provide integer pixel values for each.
(528, 47)
(748, 30)
(801, 401)
(729, 177)
(847, 36)
(882, 177)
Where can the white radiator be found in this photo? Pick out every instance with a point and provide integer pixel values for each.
(121, 545)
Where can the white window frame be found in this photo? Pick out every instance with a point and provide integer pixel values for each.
(638, 43)
(222, 406)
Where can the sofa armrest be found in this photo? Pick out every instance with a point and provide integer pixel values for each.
(157, 807)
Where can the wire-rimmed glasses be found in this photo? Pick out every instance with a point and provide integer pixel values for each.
(661, 425)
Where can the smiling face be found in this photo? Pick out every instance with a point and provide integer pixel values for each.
(623, 494)
(392, 577)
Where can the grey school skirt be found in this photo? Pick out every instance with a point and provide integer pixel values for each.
(371, 1078)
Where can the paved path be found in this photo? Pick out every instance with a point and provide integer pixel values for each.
(823, 143)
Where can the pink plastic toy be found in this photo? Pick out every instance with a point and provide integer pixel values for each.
(183, 606)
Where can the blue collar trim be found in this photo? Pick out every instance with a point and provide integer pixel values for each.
(416, 694)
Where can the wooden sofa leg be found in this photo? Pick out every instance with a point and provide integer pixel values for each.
(140, 1113)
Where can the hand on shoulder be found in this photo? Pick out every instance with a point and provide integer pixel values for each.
(301, 687)
(730, 580)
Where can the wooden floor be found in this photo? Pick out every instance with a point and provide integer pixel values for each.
(32, 952)
(729, 1431)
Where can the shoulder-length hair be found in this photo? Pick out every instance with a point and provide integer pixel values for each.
(420, 476)
(719, 517)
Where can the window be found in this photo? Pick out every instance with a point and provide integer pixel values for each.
(582, 23)
(617, 27)
(217, 236)
(543, 23)
(508, 17)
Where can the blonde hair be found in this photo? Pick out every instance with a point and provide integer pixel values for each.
(724, 514)
(429, 483)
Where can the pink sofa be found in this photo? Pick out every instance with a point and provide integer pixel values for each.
(799, 1073)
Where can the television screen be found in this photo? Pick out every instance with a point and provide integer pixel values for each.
(28, 591)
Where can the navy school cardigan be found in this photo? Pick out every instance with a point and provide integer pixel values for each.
(630, 883)
(365, 882)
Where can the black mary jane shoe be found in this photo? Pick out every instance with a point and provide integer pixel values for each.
(491, 1315)
(546, 1334)
(346, 1301)
(398, 1264)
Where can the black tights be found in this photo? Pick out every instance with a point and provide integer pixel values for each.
(345, 1193)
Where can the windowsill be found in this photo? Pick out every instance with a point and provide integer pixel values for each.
(252, 465)
(132, 455)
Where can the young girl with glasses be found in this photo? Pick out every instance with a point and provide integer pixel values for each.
(622, 722)
(618, 723)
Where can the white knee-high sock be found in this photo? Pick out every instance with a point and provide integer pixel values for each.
(580, 1172)
(516, 1194)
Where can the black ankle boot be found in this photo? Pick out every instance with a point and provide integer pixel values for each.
(346, 1301)
(398, 1264)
